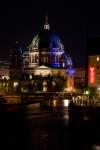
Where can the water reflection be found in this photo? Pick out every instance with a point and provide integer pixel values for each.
(33, 106)
(55, 104)
(46, 124)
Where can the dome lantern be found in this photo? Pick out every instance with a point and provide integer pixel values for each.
(46, 24)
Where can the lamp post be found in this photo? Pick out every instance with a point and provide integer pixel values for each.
(87, 94)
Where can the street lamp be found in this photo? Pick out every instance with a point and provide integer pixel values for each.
(87, 93)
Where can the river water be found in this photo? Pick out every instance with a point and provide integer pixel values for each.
(47, 126)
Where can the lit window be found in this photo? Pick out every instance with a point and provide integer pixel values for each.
(97, 58)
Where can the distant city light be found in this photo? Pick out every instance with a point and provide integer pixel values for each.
(87, 92)
(54, 103)
(30, 76)
(98, 88)
(15, 84)
(98, 59)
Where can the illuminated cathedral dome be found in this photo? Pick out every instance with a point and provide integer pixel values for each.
(46, 49)
(46, 40)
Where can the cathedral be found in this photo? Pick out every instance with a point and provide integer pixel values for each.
(44, 66)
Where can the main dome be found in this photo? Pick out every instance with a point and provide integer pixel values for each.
(46, 49)
(45, 41)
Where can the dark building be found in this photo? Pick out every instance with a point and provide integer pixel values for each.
(16, 62)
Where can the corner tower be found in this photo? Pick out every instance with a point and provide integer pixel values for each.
(16, 62)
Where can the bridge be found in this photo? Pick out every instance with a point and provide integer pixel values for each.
(32, 97)
(40, 96)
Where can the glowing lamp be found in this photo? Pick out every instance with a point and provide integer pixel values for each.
(87, 92)
(66, 102)
(15, 84)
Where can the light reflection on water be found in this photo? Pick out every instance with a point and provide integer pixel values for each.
(33, 106)
(57, 106)
(64, 103)
(54, 103)
(56, 112)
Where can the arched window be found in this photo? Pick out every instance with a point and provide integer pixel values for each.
(41, 57)
(29, 58)
(52, 58)
(47, 59)
(33, 58)
(44, 58)
(36, 58)
(57, 58)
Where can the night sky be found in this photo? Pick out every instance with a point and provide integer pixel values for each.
(71, 20)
